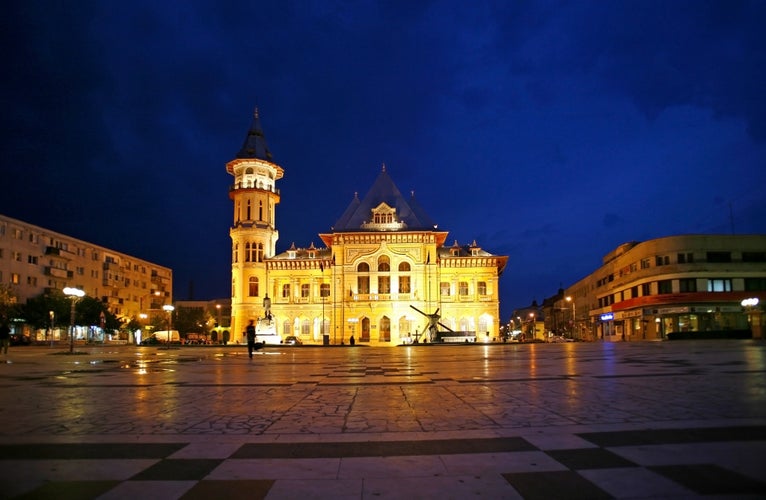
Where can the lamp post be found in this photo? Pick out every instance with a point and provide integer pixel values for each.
(754, 316)
(74, 294)
(169, 309)
(52, 316)
(571, 301)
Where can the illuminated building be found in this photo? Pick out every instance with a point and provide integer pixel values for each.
(382, 256)
(672, 287)
(34, 260)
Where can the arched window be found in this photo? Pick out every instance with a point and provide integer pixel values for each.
(252, 287)
(235, 253)
(363, 281)
(305, 328)
(384, 282)
(404, 279)
(248, 210)
(384, 264)
(260, 210)
(259, 254)
(248, 254)
(286, 291)
(385, 329)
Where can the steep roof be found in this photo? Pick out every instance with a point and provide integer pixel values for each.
(385, 191)
(255, 143)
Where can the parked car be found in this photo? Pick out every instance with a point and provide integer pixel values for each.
(17, 339)
(293, 340)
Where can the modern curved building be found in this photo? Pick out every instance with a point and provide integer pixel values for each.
(672, 287)
(384, 268)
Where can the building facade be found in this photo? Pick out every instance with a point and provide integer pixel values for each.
(672, 287)
(383, 276)
(34, 260)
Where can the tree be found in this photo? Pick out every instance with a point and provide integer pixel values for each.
(9, 302)
(88, 311)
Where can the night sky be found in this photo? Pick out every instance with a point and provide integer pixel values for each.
(551, 132)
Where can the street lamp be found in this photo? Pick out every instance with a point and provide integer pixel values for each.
(52, 316)
(169, 309)
(74, 294)
(571, 301)
(754, 316)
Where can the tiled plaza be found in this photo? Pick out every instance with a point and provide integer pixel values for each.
(535, 421)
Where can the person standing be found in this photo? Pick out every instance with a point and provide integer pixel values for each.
(5, 337)
(250, 332)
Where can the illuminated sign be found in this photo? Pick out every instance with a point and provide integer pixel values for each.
(607, 317)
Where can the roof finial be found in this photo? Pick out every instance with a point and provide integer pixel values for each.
(412, 193)
(255, 114)
(384, 166)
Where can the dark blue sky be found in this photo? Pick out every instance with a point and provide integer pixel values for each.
(548, 131)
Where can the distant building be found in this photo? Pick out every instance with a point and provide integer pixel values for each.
(34, 260)
(381, 257)
(671, 287)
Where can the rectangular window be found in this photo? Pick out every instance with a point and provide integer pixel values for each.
(32, 259)
(463, 288)
(646, 289)
(404, 284)
(645, 264)
(444, 289)
(664, 286)
(687, 285)
(719, 285)
(324, 289)
(286, 291)
(753, 256)
(685, 258)
(16, 256)
(662, 260)
(305, 290)
(363, 284)
(481, 287)
(755, 284)
(384, 284)
(15, 278)
(31, 280)
(719, 256)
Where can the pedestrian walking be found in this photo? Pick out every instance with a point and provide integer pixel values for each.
(250, 333)
(5, 337)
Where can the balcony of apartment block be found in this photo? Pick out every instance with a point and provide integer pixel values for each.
(58, 273)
